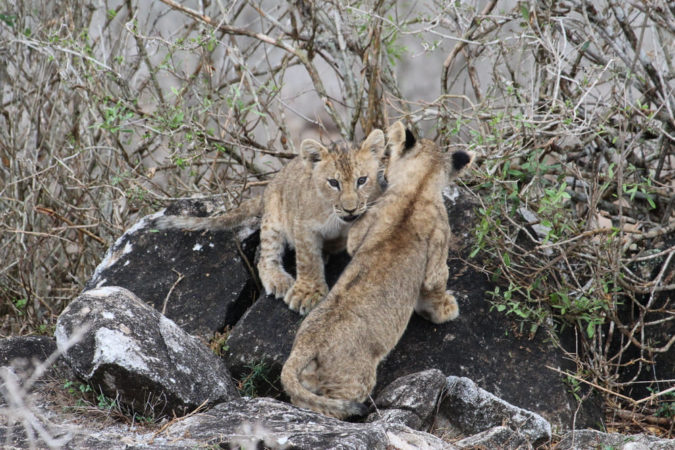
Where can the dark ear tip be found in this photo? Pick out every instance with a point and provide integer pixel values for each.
(409, 139)
(460, 159)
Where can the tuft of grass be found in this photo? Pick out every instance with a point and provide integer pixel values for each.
(257, 381)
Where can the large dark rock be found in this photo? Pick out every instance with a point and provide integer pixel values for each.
(131, 352)
(33, 358)
(26, 351)
(260, 343)
(263, 338)
(200, 280)
(482, 344)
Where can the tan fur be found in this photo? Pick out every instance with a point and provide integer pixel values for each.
(301, 209)
(399, 265)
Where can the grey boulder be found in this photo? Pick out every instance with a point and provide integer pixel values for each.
(501, 437)
(597, 439)
(473, 410)
(410, 400)
(268, 423)
(131, 352)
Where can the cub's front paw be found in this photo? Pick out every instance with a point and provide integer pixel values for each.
(304, 296)
(276, 283)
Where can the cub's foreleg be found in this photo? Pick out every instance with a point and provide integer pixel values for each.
(435, 303)
(273, 276)
(310, 284)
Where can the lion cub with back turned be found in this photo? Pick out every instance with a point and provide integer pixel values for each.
(399, 265)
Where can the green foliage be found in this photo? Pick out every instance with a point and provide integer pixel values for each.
(394, 50)
(256, 380)
(518, 301)
(81, 392)
(8, 19)
(666, 405)
(574, 386)
(218, 344)
(115, 117)
(86, 397)
(20, 305)
(533, 185)
(105, 402)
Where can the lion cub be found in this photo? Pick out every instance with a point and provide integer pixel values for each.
(399, 265)
(310, 206)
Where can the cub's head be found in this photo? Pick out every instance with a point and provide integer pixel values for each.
(404, 150)
(347, 178)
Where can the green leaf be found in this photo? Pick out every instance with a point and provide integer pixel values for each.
(521, 313)
(21, 303)
(9, 20)
(590, 330)
(525, 12)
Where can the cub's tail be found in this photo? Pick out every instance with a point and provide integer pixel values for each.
(236, 216)
(303, 397)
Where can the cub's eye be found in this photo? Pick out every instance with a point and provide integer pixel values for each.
(334, 183)
(361, 181)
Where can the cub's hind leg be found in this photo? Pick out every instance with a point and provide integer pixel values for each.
(273, 276)
(437, 306)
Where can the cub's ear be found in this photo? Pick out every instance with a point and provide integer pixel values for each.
(399, 139)
(396, 136)
(311, 151)
(374, 143)
(459, 161)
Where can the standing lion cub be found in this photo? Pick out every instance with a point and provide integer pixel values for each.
(310, 206)
(399, 265)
